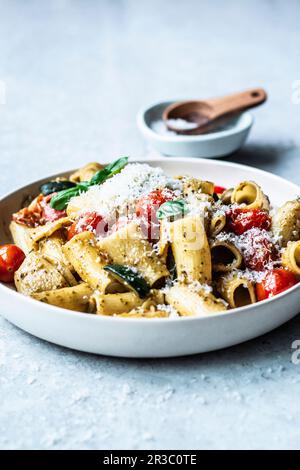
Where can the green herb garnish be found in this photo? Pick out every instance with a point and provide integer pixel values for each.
(172, 209)
(62, 198)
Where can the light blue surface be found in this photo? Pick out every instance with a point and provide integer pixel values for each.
(76, 72)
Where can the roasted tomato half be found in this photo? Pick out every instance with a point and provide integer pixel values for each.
(241, 220)
(11, 258)
(259, 251)
(147, 207)
(276, 281)
(90, 221)
(219, 189)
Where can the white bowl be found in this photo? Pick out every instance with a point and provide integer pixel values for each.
(215, 144)
(156, 337)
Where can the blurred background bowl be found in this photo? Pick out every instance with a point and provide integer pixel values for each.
(215, 144)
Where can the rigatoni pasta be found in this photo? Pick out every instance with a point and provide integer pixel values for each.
(190, 249)
(217, 224)
(237, 291)
(76, 298)
(286, 222)
(129, 241)
(129, 246)
(290, 257)
(225, 256)
(85, 257)
(250, 194)
(193, 302)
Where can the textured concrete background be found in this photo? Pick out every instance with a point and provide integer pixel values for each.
(75, 73)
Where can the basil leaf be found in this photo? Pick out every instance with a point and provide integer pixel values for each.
(109, 171)
(172, 209)
(62, 199)
(117, 165)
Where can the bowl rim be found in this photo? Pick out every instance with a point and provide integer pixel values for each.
(6, 289)
(244, 123)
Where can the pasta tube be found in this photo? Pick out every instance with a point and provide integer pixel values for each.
(22, 236)
(194, 186)
(291, 257)
(51, 247)
(84, 255)
(111, 304)
(286, 222)
(191, 303)
(128, 304)
(72, 298)
(249, 193)
(36, 274)
(226, 196)
(191, 250)
(128, 246)
(48, 229)
(202, 204)
(217, 223)
(237, 291)
(63, 269)
(155, 297)
(225, 256)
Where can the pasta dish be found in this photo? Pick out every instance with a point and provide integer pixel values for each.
(128, 240)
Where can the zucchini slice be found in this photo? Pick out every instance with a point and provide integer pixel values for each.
(171, 265)
(132, 279)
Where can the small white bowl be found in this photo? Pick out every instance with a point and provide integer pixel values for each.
(215, 144)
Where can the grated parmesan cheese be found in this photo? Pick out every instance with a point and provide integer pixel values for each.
(249, 274)
(196, 206)
(121, 191)
(197, 287)
(169, 309)
(242, 241)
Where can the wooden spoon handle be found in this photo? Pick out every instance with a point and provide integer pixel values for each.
(237, 102)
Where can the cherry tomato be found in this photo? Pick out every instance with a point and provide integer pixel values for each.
(146, 209)
(11, 258)
(276, 281)
(72, 231)
(241, 220)
(259, 251)
(219, 189)
(91, 221)
(148, 205)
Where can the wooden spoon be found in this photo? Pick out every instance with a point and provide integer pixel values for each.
(203, 116)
